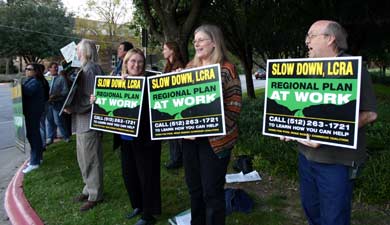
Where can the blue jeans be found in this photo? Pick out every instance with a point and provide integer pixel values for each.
(42, 129)
(326, 192)
(34, 138)
(54, 121)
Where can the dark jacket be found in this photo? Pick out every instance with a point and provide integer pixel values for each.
(33, 97)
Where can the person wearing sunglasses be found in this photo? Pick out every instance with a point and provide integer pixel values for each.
(34, 96)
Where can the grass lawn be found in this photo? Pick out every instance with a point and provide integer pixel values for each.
(50, 190)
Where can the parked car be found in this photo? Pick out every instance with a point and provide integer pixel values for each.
(260, 74)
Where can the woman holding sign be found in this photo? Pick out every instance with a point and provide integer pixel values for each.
(141, 155)
(206, 159)
(174, 61)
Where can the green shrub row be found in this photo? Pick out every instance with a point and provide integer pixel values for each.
(275, 157)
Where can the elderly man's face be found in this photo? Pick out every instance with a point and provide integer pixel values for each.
(317, 41)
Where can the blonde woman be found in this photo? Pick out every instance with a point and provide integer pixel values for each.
(140, 155)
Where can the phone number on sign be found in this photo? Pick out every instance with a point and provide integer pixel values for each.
(311, 123)
(195, 121)
(320, 124)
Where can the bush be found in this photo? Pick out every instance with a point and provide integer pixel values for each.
(269, 153)
(280, 158)
(379, 78)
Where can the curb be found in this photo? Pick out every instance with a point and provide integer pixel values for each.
(16, 205)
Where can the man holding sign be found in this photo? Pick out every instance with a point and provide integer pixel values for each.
(89, 142)
(327, 172)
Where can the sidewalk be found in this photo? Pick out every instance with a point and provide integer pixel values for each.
(10, 160)
(10, 157)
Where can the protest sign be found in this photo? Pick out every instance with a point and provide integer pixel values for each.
(118, 104)
(71, 93)
(69, 51)
(313, 98)
(70, 55)
(186, 103)
(17, 106)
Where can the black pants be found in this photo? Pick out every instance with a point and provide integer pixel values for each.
(141, 174)
(176, 151)
(34, 138)
(205, 177)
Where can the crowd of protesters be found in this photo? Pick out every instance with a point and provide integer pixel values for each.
(325, 172)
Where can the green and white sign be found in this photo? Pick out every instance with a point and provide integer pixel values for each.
(17, 105)
(188, 103)
(315, 98)
(118, 104)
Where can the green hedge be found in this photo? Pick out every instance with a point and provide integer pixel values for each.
(280, 158)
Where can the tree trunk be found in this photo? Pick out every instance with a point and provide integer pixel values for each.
(250, 90)
(173, 29)
(247, 62)
(7, 66)
(383, 70)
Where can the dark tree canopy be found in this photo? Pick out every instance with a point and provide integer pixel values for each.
(34, 29)
(171, 20)
(257, 30)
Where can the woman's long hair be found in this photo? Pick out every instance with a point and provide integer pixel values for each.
(219, 54)
(39, 69)
(172, 45)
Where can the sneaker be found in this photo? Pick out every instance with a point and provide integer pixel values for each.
(136, 212)
(142, 221)
(40, 162)
(67, 140)
(49, 141)
(30, 168)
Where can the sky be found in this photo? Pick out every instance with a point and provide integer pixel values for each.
(74, 6)
(78, 7)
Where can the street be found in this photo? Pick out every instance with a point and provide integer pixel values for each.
(257, 84)
(10, 157)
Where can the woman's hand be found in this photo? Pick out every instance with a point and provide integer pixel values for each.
(124, 76)
(190, 138)
(178, 70)
(92, 99)
(283, 138)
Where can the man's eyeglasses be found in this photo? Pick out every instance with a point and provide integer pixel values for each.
(311, 36)
(200, 40)
(29, 69)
